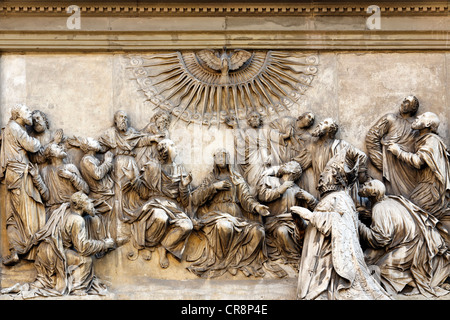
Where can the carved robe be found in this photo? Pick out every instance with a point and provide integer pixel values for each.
(399, 177)
(332, 265)
(123, 145)
(61, 189)
(25, 211)
(101, 187)
(406, 245)
(232, 241)
(161, 220)
(283, 239)
(63, 263)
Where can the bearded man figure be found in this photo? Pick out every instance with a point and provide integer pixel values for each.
(25, 211)
(332, 265)
(404, 243)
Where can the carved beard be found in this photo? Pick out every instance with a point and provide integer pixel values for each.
(122, 125)
(318, 132)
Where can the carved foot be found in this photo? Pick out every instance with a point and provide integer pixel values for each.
(163, 260)
(146, 254)
(11, 260)
(132, 254)
(14, 289)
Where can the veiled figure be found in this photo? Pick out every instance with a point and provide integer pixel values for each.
(234, 239)
(332, 265)
(404, 243)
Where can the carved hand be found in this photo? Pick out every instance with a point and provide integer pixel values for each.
(109, 156)
(34, 172)
(302, 194)
(302, 212)
(186, 180)
(286, 185)
(59, 134)
(395, 149)
(66, 174)
(109, 243)
(222, 185)
(262, 210)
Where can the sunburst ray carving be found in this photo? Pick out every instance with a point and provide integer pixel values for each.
(206, 86)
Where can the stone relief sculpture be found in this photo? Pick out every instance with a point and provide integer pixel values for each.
(62, 179)
(280, 192)
(161, 222)
(405, 243)
(228, 216)
(332, 264)
(97, 175)
(207, 86)
(25, 211)
(291, 197)
(64, 257)
(122, 140)
(399, 177)
(431, 158)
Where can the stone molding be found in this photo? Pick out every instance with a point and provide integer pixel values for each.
(194, 8)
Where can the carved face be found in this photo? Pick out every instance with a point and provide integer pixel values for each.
(56, 151)
(167, 149)
(39, 122)
(254, 120)
(324, 127)
(372, 188)
(426, 120)
(26, 115)
(221, 159)
(121, 121)
(306, 120)
(408, 106)
(162, 123)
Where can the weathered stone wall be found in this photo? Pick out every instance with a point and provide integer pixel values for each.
(80, 79)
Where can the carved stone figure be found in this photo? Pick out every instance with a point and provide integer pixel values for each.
(332, 264)
(399, 177)
(253, 147)
(280, 193)
(122, 139)
(326, 146)
(25, 211)
(62, 179)
(234, 239)
(158, 127)
(97, 175)
(404, 243)
(161, 221)
(64, 263)
(302, 142)
(40, 129)
(431, 158)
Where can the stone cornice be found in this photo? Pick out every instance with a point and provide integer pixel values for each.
(190, 8)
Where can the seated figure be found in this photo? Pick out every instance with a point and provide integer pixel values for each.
(234, 240)
(280, 193)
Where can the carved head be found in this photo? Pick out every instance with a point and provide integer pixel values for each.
(167, 150)
(327, 126)
(21, 111)
(161, 119)
(410, 105)
(79, 201)
(221, 158)
(305, 120)
(121, 120)
(426, 120)
(40, 121)
(54, 150)
(373, 188)
(254, 119)
(292, 169)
